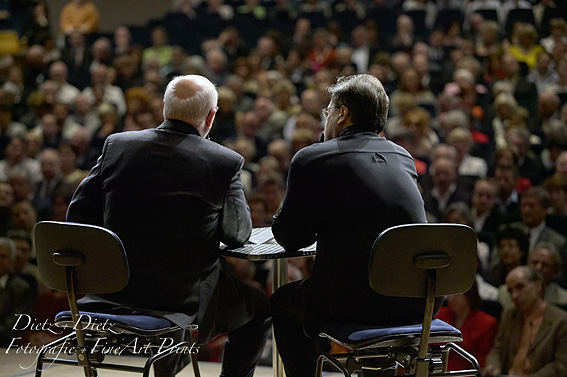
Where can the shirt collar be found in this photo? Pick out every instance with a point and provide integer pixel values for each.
(4, 281)
(178, 126)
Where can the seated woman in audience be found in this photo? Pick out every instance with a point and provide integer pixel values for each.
(489, 41)
(478, 328)
(526, 49)
(421, 137)
(513, 246)
(411, 83)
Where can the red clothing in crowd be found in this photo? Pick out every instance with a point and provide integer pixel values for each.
(479, 331)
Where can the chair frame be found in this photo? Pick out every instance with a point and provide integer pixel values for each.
(431, 260)
(70, 258)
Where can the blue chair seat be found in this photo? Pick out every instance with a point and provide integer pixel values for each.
(140, 324)
(365, 336)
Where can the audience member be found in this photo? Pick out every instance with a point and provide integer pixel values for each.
(16, 296)
(513, 248)
(445, 188)
(79, 15)
(535, 203)
(464, 311)
(545, 259)
(556, 217)
(52, 180)
(486, 217)
(532, 337)
(66, 92)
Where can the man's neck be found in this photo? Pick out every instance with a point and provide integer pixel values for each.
(536, 308)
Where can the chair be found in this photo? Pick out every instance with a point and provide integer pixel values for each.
(518, 15)
(488, 14)
(419, 26)
(415, 260)
(446, 16)
(9, 42)
(77, 258)
(548, 14)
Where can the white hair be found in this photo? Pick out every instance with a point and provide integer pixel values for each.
(8, 243)
(193, 109)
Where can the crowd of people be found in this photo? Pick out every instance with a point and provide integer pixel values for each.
(477, 89)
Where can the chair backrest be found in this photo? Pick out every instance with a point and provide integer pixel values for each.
(488, 14)
(418, 17)
(9, 42)
(518, 15)
(96, 255)
(447, 15)
(398, 259)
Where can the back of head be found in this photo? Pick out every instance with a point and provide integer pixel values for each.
(189, 99)
(365, 98)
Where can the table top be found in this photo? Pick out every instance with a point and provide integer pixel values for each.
(262, 246)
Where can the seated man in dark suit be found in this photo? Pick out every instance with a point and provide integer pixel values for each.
(446, 189)
(171, 196)
(343, 193)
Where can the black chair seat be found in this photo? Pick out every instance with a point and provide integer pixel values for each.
(364, 336)
(146, 324)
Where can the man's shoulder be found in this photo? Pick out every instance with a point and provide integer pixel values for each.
(342, 145)
(552, 235)
(18, 284)
(555, 314)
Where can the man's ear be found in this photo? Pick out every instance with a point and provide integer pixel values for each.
(344, 114)
(209, 120)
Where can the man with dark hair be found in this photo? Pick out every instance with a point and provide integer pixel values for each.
(534, 207)
(343, 193)
(532, 338)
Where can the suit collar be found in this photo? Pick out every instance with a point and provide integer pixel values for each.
(178, 126)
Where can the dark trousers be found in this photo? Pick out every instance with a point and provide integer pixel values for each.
(298, 351)
(245, 343)
(296, 331)
(242, 352)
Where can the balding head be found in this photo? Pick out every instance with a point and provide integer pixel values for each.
(191, 99)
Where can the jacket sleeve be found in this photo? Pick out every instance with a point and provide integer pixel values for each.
(87, 203)
(293, 225)
(557, 367)
(236, 223)
(494, 357)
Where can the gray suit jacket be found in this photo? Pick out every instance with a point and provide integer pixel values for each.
(548, 354)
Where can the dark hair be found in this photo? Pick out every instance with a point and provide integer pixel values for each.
(534, 276)
(475, 301)
(540, 194)
(515, 233)
(19, 234)
(365, 98)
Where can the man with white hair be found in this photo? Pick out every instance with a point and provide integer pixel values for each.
(59, 73)
(172, 195)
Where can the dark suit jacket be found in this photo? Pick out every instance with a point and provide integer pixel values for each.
(548, 353)
(343, 193)
(16, 298)
(490, 227)
(171, 196)
(461, 194)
